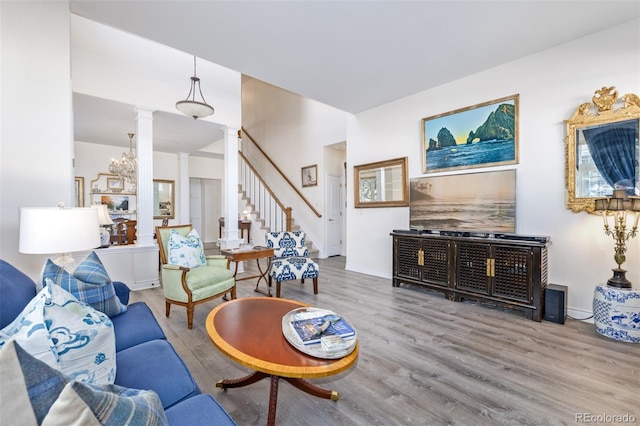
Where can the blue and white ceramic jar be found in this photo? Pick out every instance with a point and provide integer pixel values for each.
(616, 313)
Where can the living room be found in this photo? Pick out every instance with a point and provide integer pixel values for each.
(551, 84)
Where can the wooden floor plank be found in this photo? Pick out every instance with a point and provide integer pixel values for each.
(424, 360)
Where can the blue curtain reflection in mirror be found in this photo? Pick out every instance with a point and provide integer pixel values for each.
(613, 148)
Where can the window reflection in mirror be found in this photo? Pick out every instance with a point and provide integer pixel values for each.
(382, 184)
(163, 199)
(606, 159)
(602, 152)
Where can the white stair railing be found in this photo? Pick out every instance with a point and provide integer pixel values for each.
(261, 202)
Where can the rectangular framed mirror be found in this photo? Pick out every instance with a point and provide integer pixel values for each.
(382, 184)
(163, 199)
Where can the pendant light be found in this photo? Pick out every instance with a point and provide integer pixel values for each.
(190, 106)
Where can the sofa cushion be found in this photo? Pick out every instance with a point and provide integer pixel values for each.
(155, 365)
(198, 410)
(83, 404)
(67, 335)
(90, 283)
(16, 289)
(186, 251)
(137, 325)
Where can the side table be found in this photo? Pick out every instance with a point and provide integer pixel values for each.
(242, 225)
(257, 253)
(616, 313)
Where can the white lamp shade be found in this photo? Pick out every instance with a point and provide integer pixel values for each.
(103, 214)
(46, 230)
(194, 109)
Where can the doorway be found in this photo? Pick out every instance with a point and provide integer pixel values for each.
(206, 207)
(334, 157)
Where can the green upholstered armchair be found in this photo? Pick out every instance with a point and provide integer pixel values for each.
(190, 286)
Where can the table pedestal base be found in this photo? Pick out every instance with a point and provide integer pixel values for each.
(301, 384)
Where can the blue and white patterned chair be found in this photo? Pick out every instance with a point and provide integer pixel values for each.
(291, 259)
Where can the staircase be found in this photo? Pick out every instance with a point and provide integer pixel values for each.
(268, 213)
(261, 224)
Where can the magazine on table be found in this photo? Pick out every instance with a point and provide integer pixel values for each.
(311, 330)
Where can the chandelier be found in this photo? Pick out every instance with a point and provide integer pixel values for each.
(126, 168)
(190, 106)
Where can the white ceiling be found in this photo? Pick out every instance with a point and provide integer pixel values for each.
(107, 122)
(352, 55)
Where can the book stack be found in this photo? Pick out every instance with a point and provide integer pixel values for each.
(320, 333)
(312, 330)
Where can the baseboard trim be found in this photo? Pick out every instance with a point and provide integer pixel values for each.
(143, 285)
(368, 271)
(580, 315)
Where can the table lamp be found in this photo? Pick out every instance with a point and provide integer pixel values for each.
(618, 206)
(45, 230)
(104, 219)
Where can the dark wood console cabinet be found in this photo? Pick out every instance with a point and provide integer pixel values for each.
(508, 272)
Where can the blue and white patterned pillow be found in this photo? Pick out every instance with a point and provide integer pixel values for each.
(186, 251)
(67, 334)
(54, 399)
(89, 283)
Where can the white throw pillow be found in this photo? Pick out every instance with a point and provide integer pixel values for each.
(67, 334)
(186, 251)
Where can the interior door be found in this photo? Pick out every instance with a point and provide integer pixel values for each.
(206, 207)
(195, 204)
(334, 216)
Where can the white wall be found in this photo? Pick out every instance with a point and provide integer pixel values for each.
(293, 130)
(551, 85)
(36, 145)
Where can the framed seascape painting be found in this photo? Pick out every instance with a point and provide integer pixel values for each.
(483, 202)
(477, 136)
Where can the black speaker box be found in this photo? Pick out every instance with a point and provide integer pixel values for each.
(555, 303)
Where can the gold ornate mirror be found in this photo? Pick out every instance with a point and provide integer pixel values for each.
(602, 152)
(382, 184)
(163, 199)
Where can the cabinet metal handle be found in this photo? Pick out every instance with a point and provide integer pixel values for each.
(420, 258)
(491, 267)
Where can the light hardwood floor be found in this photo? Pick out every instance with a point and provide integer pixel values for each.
(425, 360)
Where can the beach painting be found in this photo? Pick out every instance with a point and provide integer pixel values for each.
(477, 136)
(475, 202)
(117, 203)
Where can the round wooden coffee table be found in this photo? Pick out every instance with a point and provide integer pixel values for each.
(249, 331)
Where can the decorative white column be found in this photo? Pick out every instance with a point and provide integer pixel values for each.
(230, 232)
(144, 192)
(184, 189)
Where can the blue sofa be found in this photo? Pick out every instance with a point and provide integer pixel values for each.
(144, 358)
